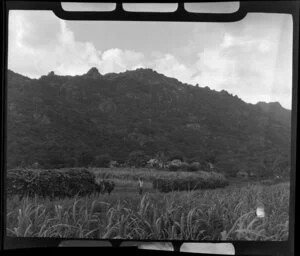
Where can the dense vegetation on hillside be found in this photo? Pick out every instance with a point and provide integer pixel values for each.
(65, 121)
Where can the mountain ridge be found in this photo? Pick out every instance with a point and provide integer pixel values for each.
(94, 70)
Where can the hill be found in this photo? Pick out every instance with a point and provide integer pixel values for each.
(68, 120)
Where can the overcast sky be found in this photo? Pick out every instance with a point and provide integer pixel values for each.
(251, 58)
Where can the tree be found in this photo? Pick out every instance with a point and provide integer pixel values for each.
(211, 158)
(176, 154)
(85, 158)
(173, 168)
(231, 172)
(162, 159)
(137, 158)
(193, 167)
(102, 160)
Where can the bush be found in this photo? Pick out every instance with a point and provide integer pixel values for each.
(173, 168)
(193, 167)
(104, 186)
(137, 159)
(102, 160)
(70, 162)
(176, 165)
(50, 183)
(204, 181)
(176, 157)
(232, 172)
(184, 167)
(85, 159)
(211, 158)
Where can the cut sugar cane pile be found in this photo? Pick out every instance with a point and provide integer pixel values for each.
(50, 183)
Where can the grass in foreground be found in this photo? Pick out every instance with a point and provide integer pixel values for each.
(220, 214)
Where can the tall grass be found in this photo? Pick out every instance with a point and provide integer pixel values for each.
(220, 214)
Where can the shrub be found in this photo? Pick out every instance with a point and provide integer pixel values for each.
(193, 167)
(104, 186)
(85, 159)
(232, 172)
(174, 168)
(211, 158)
(50, 183)
(266, 173)
(137, 159)
(177, 165)
(102, 160)
(176, 157)
(70, 162)
(184, 167)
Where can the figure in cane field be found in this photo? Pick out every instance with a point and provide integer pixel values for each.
(140, 186)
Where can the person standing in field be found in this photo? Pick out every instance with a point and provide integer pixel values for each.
(140, 186)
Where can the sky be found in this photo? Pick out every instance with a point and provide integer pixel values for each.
(251, 58)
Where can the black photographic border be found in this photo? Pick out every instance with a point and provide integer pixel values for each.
(287, 7)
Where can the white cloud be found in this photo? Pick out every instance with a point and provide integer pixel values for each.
(216, 69)
(117, 60)
(251, 58)
(34, 52)
(39, 43)
(253, 65)
(170, 66)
